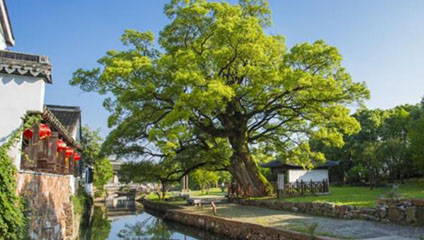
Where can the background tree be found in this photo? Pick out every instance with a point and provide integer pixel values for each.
(165, 172)
(92, 143)
(387, 147)
(205, 179)
(416, 137)
(219, 78)
(103, 172)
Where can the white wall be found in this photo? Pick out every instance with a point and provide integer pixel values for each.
(18, 95)
(307, 175)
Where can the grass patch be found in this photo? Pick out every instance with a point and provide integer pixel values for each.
(362, 196)
(79, 201)
(412, 189)
(212, 192)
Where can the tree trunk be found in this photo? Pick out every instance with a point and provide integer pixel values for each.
(244, 169)
(163, 190)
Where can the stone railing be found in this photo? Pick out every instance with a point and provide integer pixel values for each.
(403, 211)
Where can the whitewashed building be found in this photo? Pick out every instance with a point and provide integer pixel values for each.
(46, 155)
(22, 82)
(294, 179)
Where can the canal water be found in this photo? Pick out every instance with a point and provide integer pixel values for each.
(124, 219)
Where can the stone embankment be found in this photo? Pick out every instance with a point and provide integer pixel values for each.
(50, 210)
(230, 228)
(402, 211)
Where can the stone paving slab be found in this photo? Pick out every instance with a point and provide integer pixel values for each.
(339, 228)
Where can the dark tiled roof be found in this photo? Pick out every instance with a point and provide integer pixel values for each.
(69, 116)
(25, 65)
(56, 123)
(280, 164)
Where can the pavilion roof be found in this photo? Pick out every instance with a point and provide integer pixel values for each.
(279, 163)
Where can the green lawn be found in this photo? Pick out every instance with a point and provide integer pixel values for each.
(346, 195)
(412, 189)
(355, 196)
(363, 196)
(213, 192)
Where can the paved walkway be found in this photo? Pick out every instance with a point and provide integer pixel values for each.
(332, 227)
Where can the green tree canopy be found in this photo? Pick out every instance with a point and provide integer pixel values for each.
(92, 154)
(205, 179)
(219, 79)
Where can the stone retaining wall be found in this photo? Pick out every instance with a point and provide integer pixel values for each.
(405, 211)
(51, 214)
(236, 229)
(158, 206)
(227, 227)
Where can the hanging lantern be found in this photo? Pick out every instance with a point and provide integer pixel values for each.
(69, 151)
(28, 133)
(77, 157)
(60, 145)
(44, 131)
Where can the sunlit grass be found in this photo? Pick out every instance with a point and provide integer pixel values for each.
(362, 196)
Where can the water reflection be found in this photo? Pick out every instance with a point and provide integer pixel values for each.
(124, 219)
(149, 228)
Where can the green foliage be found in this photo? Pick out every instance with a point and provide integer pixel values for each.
(100, 225)
(205, 179)
(221, 85)
(80, 201)
(12, 207)
(103, 172)
(164, 172)
(91, 142)
(388, 147)
(224, 177)
(416, 136)
(150, 228)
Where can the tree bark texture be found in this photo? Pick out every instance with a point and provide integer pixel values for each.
(244, 169)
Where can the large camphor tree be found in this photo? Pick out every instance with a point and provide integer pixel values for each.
(217, 81)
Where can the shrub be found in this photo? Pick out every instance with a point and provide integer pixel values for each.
(12, 208)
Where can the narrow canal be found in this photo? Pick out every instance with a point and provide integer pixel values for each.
(124, 219)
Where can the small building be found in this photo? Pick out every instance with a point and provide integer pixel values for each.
(295, 172)
(293, 179)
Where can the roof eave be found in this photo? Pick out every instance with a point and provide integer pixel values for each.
(5, 22)
(49, 116)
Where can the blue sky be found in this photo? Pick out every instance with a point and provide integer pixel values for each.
(382, 41)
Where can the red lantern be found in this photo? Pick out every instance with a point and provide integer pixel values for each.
(77, 157)
(69, 151)
(44, 131)
(28, 133)
(60, 145)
